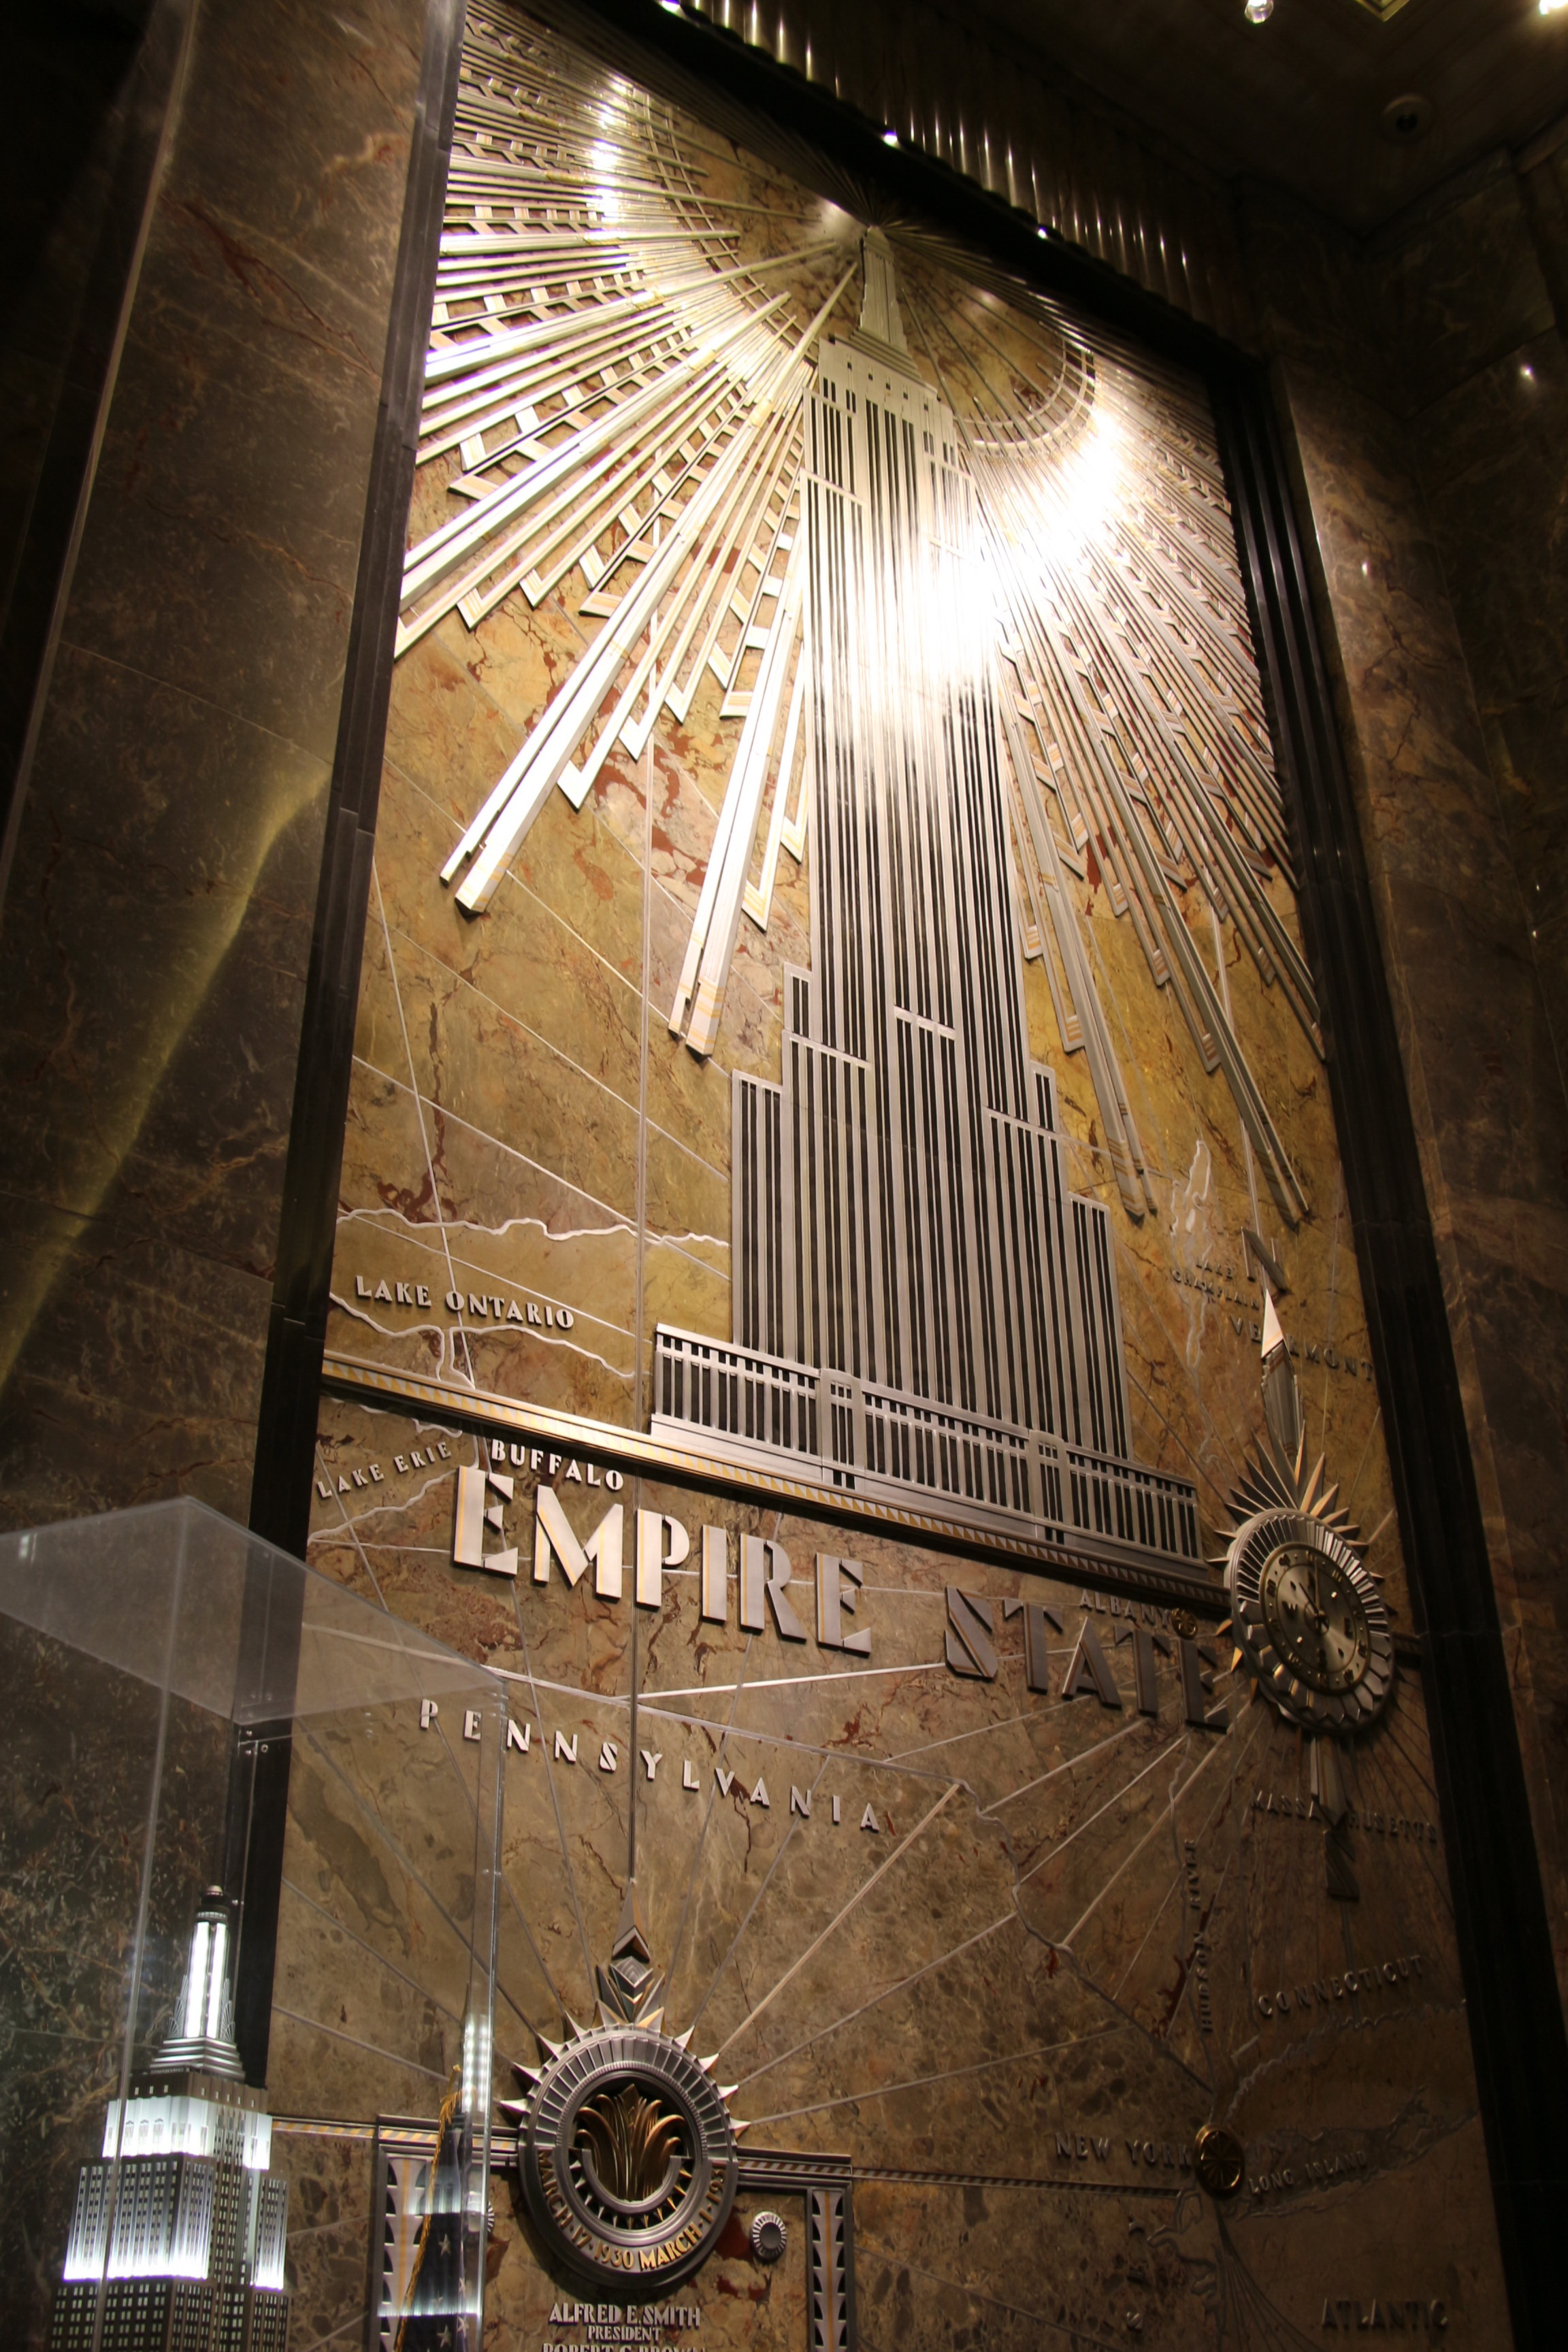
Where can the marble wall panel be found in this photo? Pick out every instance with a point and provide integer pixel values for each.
(59, 171)
(1459, 282)
(77, 173)
(79, 1790)
(1043, 1940)
(331, 2181)
(1490, 457)
(231, 483)
(1543, 183)
(139, 1374)
(160, 907)
(1424, 379)
(148, 1065)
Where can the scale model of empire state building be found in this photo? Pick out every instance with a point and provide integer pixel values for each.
(924, 1311)
(177, 2241)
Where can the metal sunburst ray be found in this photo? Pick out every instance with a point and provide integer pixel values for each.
(615, 396)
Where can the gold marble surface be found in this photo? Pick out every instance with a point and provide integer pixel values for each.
(1043, 1942)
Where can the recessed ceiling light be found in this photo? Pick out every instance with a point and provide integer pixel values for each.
(1258, 12)
(1550, 7)
(1406, 119)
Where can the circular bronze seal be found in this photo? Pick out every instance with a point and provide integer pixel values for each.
(627, 2155)
(1219, 2160)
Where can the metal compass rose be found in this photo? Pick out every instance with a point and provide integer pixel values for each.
(1307, 1617)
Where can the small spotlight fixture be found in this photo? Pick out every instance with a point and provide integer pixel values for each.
(1407, 118)
(1550, 7)
(1258, 12)
(890, 138)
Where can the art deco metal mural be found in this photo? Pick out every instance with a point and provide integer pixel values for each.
(839, 1132)
(950, 588)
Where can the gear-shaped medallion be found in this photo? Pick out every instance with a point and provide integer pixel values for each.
(625, 2143)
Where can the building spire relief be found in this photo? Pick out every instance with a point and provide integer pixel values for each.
(921, 1300)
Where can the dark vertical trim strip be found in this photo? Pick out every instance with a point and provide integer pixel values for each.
(280, 1492)
(1505, 1947)
(286, 1436)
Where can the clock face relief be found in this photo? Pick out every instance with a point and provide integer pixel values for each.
(1310, 1622)
(1315, 1618)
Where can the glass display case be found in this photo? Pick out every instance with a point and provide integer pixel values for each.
(249, 1827)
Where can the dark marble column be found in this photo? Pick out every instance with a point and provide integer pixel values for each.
(157, 922)
(1425, 383)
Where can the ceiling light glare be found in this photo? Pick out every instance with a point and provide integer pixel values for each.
(1258, 12)
(1550, 7)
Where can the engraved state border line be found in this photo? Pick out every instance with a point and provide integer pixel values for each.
(1081, 2185)
(758, 2168)
(356, 1375)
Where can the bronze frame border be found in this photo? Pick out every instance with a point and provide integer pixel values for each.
(1515, 2012)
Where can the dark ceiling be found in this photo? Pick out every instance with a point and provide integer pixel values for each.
(1298, 100)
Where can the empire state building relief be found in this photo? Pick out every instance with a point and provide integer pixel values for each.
(921, 1300)
(835, 1001)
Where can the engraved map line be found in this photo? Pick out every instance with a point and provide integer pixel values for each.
(352, 1533)
(734, 1944)
(1064, 1945)
(508, 1996)
(381, 1959)
(427, 954)
(380, 1832)
(1073, 2330)
(557, 1053)
(905, 1842)
(555, 1808)
(735, 1691)
(620, 1700)
(1012, 1918)
(1166, 1814)
(418, 1107)
(1175, 1888)
(947, 2075)
(358, 2041)
(1114, 1799)
(711, 1801)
